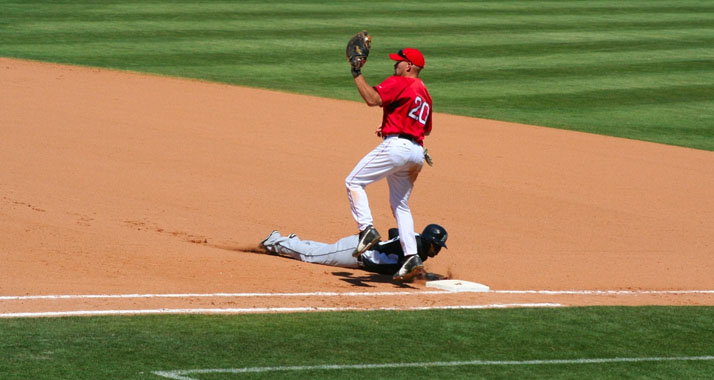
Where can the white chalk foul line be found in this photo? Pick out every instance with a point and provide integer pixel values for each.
(217, 295)
(182, 374)
(85, 313)
(352, 294)
(603, 292)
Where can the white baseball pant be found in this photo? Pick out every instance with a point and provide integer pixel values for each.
(400, 161)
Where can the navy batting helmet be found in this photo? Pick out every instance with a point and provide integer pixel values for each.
(436, 235)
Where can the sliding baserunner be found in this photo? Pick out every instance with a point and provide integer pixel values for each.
(384, 257)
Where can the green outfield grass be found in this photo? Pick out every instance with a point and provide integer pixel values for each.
(641, 69)
(137, 347)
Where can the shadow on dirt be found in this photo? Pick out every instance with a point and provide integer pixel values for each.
(368, 279)
(373, 278)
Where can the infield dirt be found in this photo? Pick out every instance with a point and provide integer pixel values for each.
(120, 183)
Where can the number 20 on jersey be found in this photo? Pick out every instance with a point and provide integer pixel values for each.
(420, 112)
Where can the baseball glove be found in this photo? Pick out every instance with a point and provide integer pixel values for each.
(358, 51)
(427, 158)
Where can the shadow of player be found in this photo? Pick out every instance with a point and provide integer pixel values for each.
(366, 280)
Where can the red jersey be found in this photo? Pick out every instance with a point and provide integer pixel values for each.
(406, 106)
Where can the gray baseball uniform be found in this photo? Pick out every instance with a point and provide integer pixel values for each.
(385, 257)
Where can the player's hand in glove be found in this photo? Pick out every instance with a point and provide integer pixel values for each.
(358, 51)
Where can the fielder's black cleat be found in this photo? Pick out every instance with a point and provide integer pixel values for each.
(411, 267)
(367, 238)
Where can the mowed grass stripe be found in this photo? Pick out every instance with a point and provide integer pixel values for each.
(560, 80)
(311, 24)
(241, 16)
(200, 50)
(586, 72)
(456, 39)
(466, 47)
(611, 97)
(230, 9)
(574, 63)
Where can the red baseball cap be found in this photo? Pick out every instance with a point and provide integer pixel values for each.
(410, 55)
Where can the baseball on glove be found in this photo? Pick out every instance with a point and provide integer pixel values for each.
(358, 51)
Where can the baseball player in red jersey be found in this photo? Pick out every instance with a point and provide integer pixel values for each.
(407, 109)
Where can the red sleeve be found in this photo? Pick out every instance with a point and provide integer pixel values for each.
(389, 89)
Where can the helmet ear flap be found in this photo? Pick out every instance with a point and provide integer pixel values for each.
(433, 249)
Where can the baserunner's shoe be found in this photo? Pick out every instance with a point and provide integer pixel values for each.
(367, 238)
(411, 267)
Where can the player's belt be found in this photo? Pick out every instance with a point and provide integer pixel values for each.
(403, 136)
